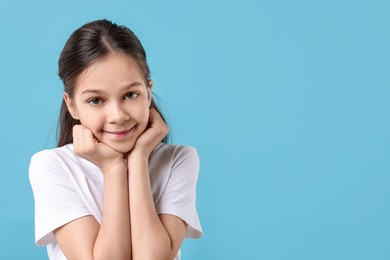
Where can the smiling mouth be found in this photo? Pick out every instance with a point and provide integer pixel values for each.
(119, 134)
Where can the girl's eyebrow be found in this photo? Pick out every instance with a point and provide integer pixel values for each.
(99, 91)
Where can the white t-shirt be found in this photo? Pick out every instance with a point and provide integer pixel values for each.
(67, 187)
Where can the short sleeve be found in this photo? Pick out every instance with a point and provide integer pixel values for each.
(179, 196)
(57, 200)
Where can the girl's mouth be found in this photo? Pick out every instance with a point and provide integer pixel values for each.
(119, 133)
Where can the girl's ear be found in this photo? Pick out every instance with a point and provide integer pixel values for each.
(149, 89)
(71, 107)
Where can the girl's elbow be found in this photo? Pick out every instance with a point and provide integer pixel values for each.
(111, 254)
(160, 253)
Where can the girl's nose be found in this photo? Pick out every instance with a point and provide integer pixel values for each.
(117, 114)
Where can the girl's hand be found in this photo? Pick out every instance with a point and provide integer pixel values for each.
(152, 136)
(85, 145)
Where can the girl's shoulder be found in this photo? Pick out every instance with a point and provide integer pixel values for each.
(60, 158)
(168, 157)
(59, 162)
(174, 151)
(63, 152)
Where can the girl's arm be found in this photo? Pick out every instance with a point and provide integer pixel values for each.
(153, 236)
(84, 238)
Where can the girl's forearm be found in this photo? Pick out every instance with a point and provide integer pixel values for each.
(150, 239)
(113, 240)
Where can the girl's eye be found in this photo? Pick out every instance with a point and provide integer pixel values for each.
(94, 101)
(131, 95)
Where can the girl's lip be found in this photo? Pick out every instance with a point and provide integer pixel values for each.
(119, 133)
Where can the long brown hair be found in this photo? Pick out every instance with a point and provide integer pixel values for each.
(87, 45)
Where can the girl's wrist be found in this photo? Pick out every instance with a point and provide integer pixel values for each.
(118, 165)
(137, 156)
(139, 153)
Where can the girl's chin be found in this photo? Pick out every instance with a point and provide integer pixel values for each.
(123, 148)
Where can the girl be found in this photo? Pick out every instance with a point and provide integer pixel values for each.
(113, 188)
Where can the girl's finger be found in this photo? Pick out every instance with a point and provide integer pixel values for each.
(154, 116)
(83, 138)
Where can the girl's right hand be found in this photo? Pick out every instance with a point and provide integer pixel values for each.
(86, 146)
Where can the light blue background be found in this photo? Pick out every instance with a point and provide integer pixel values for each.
(287, 103)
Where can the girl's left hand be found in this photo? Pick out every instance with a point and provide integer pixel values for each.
(153, 135)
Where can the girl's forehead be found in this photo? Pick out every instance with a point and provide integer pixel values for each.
(112, 63)
(110, 71)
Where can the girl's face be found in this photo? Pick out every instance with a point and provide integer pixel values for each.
(112, 99)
